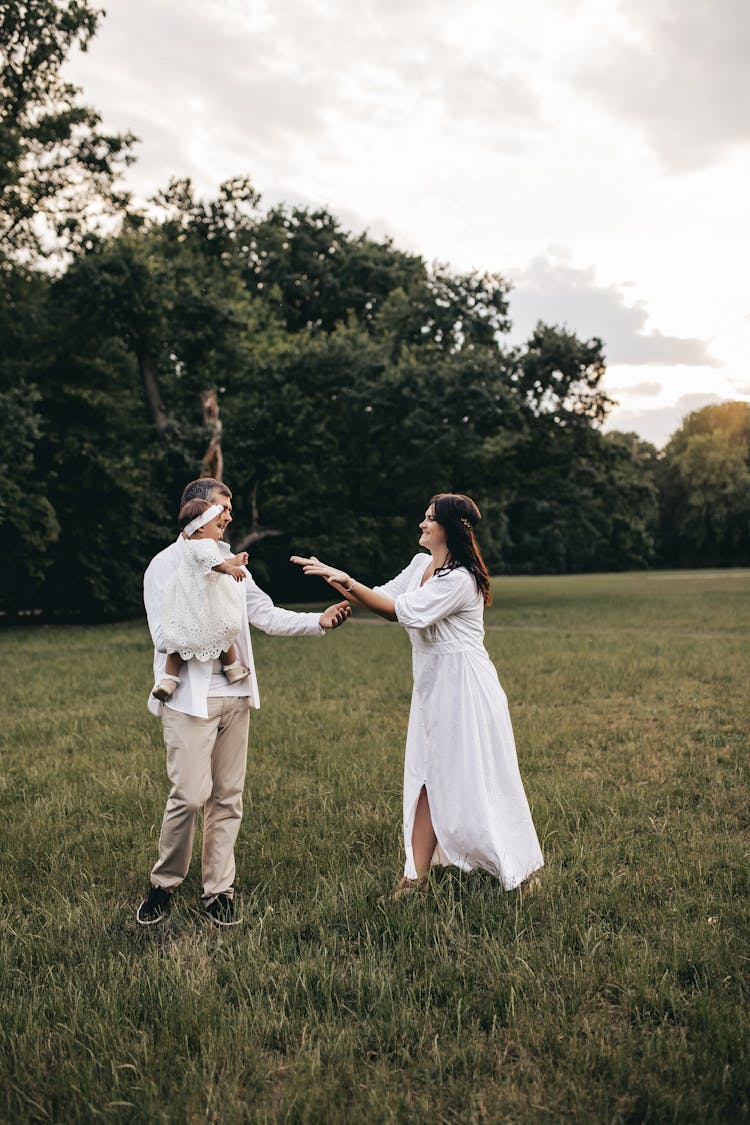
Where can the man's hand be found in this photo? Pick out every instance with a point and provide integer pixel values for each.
(335, 615)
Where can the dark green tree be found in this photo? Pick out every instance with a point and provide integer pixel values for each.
(317, 274)
(353, 382)
(704, 489)
(58, 175)
(580, 500)
(144, 324)
(631, 501)
(337, 381)
(58, 169)
(28, 525)
(342, 446)
(558, 376)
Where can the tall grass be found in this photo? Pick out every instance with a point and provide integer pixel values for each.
(613, 994)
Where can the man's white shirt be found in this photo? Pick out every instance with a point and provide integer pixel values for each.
(195, 677)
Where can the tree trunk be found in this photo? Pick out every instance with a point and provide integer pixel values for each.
(256, 533)
(151, 387)
(213, 458)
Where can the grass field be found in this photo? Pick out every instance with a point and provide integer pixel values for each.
(615, 994)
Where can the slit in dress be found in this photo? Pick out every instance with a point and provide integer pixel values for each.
(439, 849)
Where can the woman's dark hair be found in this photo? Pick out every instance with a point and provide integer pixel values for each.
(190, 510)
(458, 515)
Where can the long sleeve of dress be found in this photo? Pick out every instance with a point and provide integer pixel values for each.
(442, 596)
(400, 583)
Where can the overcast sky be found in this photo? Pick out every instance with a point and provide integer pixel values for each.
(595, 152)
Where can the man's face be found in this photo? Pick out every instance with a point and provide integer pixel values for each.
(224, 520)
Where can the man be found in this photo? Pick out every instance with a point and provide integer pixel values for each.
(205, 728)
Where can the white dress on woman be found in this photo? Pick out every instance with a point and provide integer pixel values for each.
(201, 611)
(460, 743)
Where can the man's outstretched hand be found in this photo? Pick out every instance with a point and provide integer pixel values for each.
(335, 615)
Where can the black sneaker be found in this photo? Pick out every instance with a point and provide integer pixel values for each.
(221, 911)
(154, 907)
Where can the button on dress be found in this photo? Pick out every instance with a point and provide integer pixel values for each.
(460, 743)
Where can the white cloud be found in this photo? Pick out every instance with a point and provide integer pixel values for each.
(283, 86)
(657, 425)
(637, 390)
(679, 72)
(478, 134)
(556, 292)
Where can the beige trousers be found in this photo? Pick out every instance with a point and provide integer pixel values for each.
(206, 761)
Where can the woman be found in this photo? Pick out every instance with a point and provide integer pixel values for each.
(464, 802)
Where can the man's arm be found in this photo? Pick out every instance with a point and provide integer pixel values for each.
(264, 615)
(153, 584)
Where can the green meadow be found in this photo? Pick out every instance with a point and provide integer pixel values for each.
(616, 993)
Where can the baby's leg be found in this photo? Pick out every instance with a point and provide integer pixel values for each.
(169, 682)
(233, 670)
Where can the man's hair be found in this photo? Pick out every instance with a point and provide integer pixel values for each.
(190, 510)
(201, 489)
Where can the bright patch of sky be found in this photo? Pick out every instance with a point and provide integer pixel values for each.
(594, 152)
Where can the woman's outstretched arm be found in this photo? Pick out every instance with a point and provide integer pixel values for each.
(357, 591)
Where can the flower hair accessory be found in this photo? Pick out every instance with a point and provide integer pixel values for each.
(465, 522)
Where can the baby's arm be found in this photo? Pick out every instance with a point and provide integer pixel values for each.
(238, 560)
(233, 566)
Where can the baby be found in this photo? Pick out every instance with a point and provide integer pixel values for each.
(201, 612)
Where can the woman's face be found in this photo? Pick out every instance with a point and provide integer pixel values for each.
(433, 533)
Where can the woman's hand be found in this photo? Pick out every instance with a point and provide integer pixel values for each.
(359, 593)
(322, 570)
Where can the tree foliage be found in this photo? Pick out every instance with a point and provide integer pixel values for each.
(58, 169)
(353, 381)
(705, 487)
(29, 526)
(344, 408)
(337, 428)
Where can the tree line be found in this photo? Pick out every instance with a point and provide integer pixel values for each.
(334, 381)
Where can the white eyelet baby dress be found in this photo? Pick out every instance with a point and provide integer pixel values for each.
(202, 608)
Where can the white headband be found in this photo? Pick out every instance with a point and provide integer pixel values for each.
(203, 518)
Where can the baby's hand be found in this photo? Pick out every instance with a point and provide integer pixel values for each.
(235, 572)
(236, 560)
